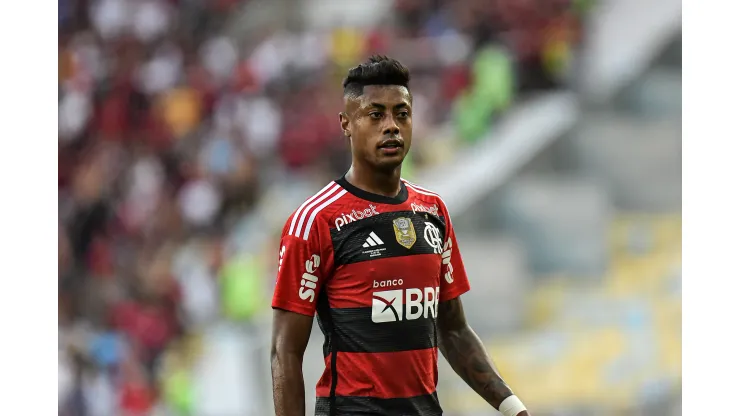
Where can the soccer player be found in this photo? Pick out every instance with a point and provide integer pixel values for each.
(376, 259)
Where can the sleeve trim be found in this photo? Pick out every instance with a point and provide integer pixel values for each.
(453, 293)
(293, 307)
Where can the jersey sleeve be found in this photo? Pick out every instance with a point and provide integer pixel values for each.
(303, 267)
(453, 280)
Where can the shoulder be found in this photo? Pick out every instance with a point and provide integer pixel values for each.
(314, 211)
(431, 201)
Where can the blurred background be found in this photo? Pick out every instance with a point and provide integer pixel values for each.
(190, 129)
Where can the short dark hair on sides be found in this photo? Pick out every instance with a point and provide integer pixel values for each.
(378, 70)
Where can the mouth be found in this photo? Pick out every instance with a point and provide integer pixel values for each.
(391, 144)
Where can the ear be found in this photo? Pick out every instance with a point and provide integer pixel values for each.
(344, 124)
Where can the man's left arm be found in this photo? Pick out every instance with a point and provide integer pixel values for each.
(458, 343)
(468, 357)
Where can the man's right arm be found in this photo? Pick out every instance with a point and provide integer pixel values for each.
(290, 333)
(302, 268)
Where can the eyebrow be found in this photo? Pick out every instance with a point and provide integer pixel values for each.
(383, 107)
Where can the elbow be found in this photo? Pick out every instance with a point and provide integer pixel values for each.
(282, 357)
(274, 356)
(454, 332)
(285, 363)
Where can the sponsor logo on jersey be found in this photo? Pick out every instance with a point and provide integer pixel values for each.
(405, 304)
(307, 290)
(434, 209)
(387, 283)
(432, 237)
(446, 258)
(374, 244)
(373, 240)
(280, 262)
(355, 215)
(405, 232)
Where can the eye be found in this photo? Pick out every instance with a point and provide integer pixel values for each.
(376, 115)
(403, 114)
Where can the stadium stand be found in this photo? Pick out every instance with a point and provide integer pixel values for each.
(189, 130)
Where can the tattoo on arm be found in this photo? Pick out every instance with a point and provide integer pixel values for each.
(466, 354)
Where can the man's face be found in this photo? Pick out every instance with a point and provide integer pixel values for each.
(379, 125)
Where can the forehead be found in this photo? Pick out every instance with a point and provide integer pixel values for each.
(386, 95)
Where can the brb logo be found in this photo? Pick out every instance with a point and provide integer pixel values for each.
(309, 279)
(405, 304)
(355, 215)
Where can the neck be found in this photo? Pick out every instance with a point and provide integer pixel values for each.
(374, 181)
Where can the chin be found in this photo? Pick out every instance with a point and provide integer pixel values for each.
(389, 164)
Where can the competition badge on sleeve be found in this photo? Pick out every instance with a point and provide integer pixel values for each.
(405, 233)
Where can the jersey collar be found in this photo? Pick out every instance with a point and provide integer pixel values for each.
(402, 196)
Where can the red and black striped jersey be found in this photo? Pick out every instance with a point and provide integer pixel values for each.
(373, 269)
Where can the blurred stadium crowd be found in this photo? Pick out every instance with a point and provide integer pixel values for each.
(172, 130)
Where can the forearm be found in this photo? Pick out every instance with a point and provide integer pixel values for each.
(288, 391)
(468, 357)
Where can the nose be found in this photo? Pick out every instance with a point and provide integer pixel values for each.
(391, 129)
